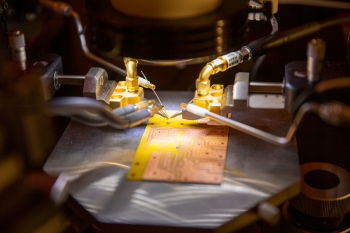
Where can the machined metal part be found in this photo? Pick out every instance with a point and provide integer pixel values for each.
(221, 63)
(244, 94)
(17, 46)
(324, 201)
(212, 101)
(317, 196)
(48, 65)
(97, 85)
(103, 156)
(131, 74)
(236, 97)
(227, 102)
(246, 54)
(290, 224)
(203, 82)
(241, 91)
(121, 96)
(316, 50)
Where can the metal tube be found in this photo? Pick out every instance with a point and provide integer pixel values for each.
(142, 81)
(85, 48)
(305, 108)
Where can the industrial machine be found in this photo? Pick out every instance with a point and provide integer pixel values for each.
(287, 159)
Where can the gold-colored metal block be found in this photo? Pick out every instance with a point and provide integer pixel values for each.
(212, 101)
(121, 97)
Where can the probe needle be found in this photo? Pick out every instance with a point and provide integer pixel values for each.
(178, 113)
(163, 111)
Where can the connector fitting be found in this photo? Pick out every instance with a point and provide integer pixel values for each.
(59, 7)
(132, 83)
(151, 86)
(203, 82)
(221, 63)
(144, 104)
(152, 111)
(245, 53)
(183, 106)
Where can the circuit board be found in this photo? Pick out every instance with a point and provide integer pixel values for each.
(177, 150)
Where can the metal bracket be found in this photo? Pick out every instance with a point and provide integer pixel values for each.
(97, 85)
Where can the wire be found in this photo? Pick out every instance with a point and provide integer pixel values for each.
(260, 59)
(319, 3)
(268, 43)
(95, 113)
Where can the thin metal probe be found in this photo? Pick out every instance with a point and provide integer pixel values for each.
(178, 113)
(163, 111)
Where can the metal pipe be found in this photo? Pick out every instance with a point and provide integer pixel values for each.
(85, 48)
(305, 108)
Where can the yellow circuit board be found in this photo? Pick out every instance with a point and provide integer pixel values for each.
(178, 150)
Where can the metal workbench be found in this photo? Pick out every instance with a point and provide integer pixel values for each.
(255, 172)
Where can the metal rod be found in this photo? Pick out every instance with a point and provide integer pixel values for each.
(69, 79)
(266, 87)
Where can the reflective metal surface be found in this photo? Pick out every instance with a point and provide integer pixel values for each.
(255, 172)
